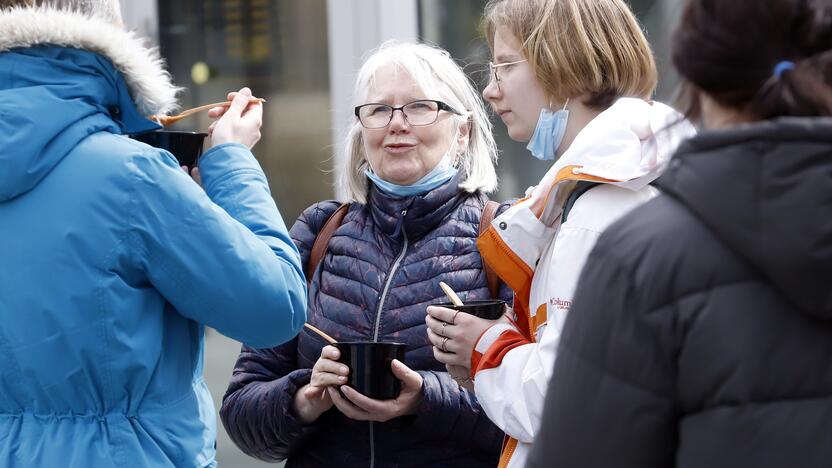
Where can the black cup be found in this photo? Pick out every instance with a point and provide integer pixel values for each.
(185, 146)
(370, 371)
(490, 309)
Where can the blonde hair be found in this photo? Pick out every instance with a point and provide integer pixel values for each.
(436, 73)
(577, 47)
(107, 9)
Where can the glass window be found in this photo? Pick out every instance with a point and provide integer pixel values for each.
(279, 50)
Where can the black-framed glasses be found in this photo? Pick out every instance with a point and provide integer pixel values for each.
(416, 113)
(493, 68)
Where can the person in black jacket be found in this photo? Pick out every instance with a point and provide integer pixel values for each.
(701, 330)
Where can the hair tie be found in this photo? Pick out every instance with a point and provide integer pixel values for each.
(783, 67)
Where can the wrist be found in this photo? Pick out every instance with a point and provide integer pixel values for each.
(415, 404)
(303, 408)
(416, 400)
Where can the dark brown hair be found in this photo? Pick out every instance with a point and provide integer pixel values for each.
(730, 49)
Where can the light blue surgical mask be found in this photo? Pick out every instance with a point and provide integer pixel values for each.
(443, 172)
(548, 134)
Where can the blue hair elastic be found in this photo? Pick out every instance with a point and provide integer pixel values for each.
(783, 67)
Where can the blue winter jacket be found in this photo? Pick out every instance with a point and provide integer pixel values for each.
(381, 271)
(112, 260)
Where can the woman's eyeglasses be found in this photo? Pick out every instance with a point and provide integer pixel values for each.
(494, 68)
(416, 113)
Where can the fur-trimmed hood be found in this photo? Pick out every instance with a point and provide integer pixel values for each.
(63, 77)
(141, 66)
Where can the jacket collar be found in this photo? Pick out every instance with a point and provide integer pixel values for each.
(142, 68)
(763, 189)
(629, 145)
(422, 213)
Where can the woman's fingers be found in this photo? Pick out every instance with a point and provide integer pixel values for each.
(440, 328)
(240, 102)
(363, 402)
(344, 406)
(443, 314)
(196, 176)
(313, 392)
(217, 112)
(330, 352)
(438, 341)
(327, 371)
(443, 349)
(409, 377)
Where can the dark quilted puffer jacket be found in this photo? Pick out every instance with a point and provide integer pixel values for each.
(701, 330)
(404, 246)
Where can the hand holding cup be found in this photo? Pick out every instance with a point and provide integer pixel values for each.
(312, 400)
(355, 405)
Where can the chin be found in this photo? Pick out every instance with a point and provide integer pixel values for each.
(519, 134)
(401, 179)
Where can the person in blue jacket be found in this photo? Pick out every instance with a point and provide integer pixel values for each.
(112, 259)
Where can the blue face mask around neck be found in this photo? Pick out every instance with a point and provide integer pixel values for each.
(548, 134)
(437, 176)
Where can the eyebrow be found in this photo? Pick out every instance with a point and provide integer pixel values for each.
(385, 99)
(507, 58)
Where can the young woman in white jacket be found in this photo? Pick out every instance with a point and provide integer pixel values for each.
(574, 79)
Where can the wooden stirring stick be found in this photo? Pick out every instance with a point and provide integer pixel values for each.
(165, 120)
(450, 293)
(323, 335)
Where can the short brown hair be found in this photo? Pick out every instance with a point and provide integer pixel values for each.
(577, 47)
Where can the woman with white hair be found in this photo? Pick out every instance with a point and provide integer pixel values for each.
(113, 259)
(418, 162)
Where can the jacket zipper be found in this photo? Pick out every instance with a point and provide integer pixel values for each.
(389, 279)
(378, 322)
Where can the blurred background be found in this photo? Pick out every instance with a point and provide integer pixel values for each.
(302, 55)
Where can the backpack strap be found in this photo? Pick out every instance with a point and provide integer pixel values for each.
(580, 189)
(322, 241)
(491, 278)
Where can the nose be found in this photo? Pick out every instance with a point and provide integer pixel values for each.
(491, 92)
(398, 123)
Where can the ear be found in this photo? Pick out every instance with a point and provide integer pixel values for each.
(463, 136)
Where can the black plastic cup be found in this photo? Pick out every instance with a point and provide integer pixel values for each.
(185, 146)
(490, 309)
(370, 371)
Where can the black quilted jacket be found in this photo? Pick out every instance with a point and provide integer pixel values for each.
(405, 246)
(701, 331)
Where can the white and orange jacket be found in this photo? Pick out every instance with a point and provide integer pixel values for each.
(625, 148)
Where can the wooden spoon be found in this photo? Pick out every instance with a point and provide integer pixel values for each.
(165, 120)
(323, 335)
(450, 293)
